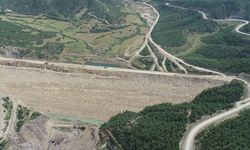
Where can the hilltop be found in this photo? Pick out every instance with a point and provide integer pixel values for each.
(219, 9)
(68, 9)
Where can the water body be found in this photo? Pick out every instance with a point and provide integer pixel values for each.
(102, 64)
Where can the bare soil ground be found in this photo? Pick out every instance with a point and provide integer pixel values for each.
(2, 122)
(100, 95)
(42, 133)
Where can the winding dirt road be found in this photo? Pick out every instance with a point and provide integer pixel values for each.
(177, 61)
(238, 27)
(189, 141)
(204, 16)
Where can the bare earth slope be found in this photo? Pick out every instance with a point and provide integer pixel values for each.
(96, 92)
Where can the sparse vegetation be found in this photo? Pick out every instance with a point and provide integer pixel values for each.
(162, 126)
(143, 63)
(24, 115)
(4, 144)
(145, 52)
(34, 115)
(65, 118)
(8, 106)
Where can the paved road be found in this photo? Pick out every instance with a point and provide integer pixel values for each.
(189, 141)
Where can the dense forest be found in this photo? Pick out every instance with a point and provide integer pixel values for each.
(201, 42)
(68, 9)
(233, 134)
(175, 24)
(162, 126)
(219, 8)
(246, 28)
(224, 51)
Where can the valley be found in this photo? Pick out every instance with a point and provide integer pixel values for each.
(142, 75)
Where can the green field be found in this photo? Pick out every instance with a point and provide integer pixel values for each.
(78, 40)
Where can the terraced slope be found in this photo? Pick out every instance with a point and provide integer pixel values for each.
(94, 32)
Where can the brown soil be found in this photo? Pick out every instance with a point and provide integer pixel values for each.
(98, 93)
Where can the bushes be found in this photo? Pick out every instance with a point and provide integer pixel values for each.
(24, 115)
(4, 144)
(49, 51)
(143, 63)
(34, 115)
(8, 106)
(162, 126)
(145, 52)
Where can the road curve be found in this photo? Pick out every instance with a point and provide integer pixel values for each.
(189, 141)
(204, 15)
(171, 57)
(238, 27)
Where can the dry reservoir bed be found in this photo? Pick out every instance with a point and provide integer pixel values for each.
(98, 96)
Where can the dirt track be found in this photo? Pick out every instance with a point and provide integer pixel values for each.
(101, 93)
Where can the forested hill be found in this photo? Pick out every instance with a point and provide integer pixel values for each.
(104, 9)
(162, 126)
(219, 8)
